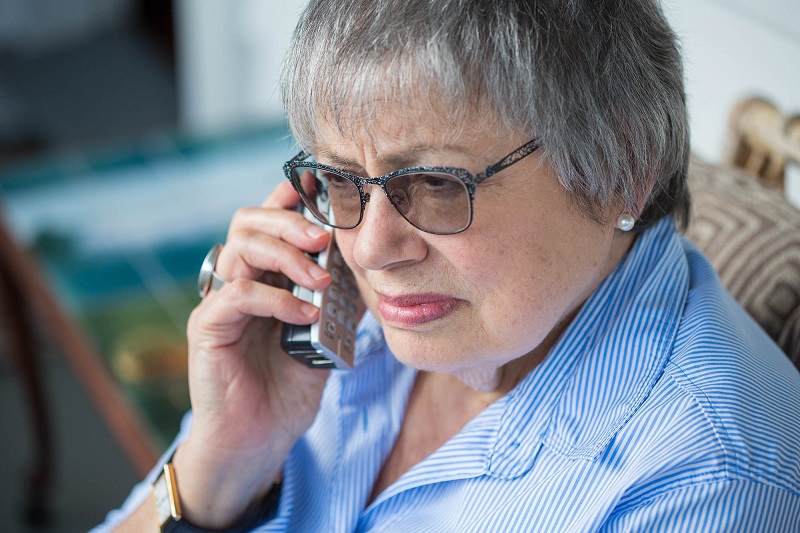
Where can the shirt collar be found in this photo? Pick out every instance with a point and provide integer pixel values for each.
(605, 363)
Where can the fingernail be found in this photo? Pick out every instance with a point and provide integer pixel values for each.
(315, 232)
(317, 272)
(308, 309)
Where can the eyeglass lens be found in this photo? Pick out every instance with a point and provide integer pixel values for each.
(435, 202)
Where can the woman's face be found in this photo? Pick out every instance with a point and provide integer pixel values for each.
(487, 296)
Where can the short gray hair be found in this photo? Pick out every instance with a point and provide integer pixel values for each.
(599, 82)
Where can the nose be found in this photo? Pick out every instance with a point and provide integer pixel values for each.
(384, 239)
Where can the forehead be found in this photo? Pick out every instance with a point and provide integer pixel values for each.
(402, 137)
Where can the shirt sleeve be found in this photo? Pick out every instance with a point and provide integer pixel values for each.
(728, 505)
(142, 490)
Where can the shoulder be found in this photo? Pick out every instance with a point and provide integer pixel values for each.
(724, 415)
(739, 393)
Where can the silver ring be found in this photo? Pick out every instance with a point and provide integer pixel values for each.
(208, 279)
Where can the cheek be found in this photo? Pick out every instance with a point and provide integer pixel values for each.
(517, 295)
(525, 289)
(509, 257)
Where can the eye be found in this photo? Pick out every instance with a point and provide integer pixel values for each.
(399, 197)
(335, 180)
(440, 185)
(433, 182)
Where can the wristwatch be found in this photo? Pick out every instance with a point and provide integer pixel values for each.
(168, 505)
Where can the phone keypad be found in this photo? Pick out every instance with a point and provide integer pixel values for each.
(341, 309)
(330, 342)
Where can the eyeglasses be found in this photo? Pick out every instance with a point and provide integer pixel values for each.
(435, 200)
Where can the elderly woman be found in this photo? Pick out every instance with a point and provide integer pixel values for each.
(541, 349)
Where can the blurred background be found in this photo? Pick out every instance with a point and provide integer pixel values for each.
(130, 131)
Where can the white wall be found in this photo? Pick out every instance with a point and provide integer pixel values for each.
(734, 49)
(230, 57)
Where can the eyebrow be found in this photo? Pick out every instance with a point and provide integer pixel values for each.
(336, 160)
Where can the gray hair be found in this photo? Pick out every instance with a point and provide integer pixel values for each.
(599, 82)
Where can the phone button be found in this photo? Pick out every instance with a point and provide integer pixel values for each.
(349, 306)
(334, 292)
(349, 288)
(332, 311)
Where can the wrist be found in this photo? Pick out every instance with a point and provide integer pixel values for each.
(215, 491)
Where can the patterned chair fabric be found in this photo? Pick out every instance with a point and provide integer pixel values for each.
(751, 234)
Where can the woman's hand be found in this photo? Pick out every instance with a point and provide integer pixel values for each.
(250, 401)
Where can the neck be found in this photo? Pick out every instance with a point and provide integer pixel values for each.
(497, 380)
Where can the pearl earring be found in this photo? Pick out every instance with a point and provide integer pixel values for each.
(625, 222)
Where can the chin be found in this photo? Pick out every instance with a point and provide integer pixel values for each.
(481, 377)
(416, 351)
(427, 364)
(429, 354)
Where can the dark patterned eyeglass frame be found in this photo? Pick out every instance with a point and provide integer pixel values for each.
(469, 180)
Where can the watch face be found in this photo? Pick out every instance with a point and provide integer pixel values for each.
(161, 497)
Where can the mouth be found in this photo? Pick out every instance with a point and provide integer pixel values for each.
(415, 309)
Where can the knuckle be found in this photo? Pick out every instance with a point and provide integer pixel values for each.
(238, 289)
(285, 298)
(242, 217)
(238, 216)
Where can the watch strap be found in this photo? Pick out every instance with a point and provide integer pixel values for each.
(256, 515)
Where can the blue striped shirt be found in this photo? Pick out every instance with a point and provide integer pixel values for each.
(662, 407)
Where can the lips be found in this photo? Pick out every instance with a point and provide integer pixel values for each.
(415, 309)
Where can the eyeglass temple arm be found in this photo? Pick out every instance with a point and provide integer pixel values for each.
(510, 159)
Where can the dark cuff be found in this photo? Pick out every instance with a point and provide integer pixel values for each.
(256, 515)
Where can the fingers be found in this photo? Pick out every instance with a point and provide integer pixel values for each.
(265, 243)
(228, 312)
(273, 240)
(289, 226)
(250, 252)
(282, 197)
